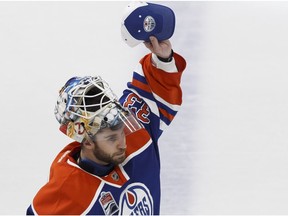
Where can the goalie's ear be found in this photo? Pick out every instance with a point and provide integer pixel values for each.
(87, 143)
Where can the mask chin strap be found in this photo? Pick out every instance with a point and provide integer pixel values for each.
(89, 139)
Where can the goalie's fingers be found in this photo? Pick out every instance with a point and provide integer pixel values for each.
(161, 49)
(149, 46)
(153, 45)
(154, 42)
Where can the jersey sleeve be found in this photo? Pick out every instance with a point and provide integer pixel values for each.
(155, 94)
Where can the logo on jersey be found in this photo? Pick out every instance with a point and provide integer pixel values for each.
(136, 200)
(108, 203)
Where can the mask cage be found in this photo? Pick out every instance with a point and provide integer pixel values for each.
(92, 89)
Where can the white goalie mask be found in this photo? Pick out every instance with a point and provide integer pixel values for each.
(87, 104)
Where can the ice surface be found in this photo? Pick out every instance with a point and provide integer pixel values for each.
(226, 151)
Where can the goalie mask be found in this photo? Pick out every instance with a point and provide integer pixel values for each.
(87, 104)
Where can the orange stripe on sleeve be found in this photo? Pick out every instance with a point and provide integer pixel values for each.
(141, 85)
(166, 114)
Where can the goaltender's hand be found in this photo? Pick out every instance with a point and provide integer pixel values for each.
(162, 49)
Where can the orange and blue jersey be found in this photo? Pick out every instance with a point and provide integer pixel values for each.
(132, 187)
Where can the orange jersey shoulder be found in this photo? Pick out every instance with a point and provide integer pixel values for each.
(67, 182)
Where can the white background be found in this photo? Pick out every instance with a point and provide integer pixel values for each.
(225, 153)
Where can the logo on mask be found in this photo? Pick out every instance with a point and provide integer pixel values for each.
(136, 200)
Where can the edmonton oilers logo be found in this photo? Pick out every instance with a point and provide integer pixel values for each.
(149, 24)
(136, 200)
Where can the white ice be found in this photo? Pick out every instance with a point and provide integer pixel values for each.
(226, 151)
